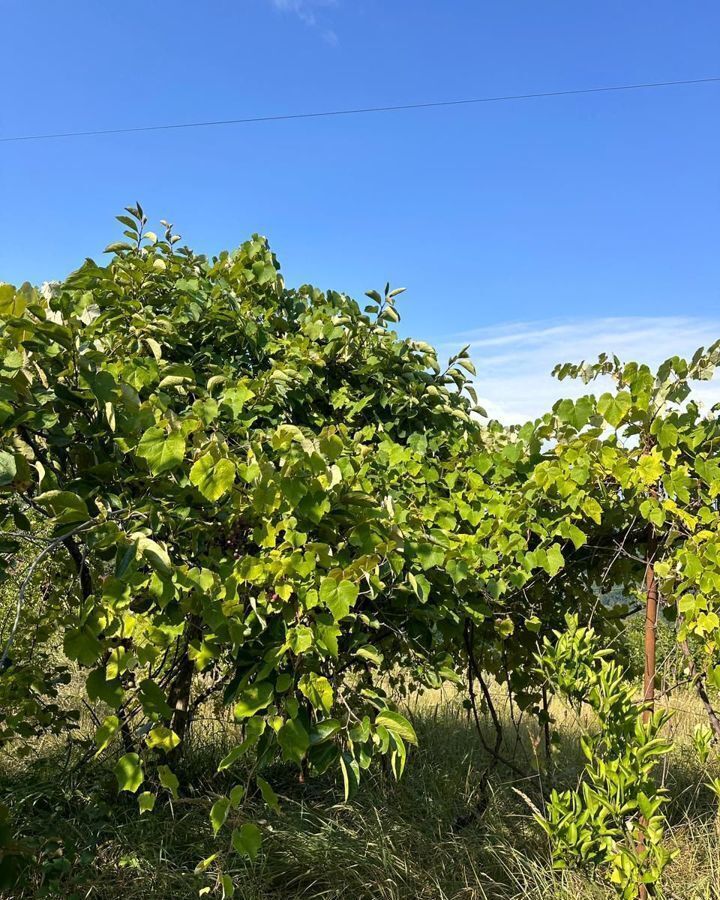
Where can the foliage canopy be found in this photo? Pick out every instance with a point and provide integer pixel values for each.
(225, 490)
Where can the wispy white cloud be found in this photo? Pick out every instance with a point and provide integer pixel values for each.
(307, 11)
(514, 361)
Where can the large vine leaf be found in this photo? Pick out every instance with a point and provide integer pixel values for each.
(212, 477)
(162, 451)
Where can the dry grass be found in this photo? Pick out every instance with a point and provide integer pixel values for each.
(416, 840)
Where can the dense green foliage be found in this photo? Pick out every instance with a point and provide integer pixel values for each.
(615, 815)
(216, 489)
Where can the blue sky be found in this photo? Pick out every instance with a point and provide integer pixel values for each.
(535, 230)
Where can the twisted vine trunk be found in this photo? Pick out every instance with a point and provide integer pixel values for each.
(180, 690)
(651, 613)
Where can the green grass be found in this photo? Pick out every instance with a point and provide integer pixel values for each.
(413, 840)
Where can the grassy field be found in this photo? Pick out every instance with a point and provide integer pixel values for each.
(419, 839)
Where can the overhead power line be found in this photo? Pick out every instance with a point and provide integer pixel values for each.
(358, 111)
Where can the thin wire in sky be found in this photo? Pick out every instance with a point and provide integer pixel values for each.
(357, 111)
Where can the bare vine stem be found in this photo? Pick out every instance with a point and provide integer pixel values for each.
(62, 540)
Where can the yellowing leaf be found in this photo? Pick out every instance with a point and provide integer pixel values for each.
(555, 560)
(11, 303)
(163, 738)
(146, 802)
(614, 407)
(212, 477)
(650, 468)
(129, 773)
(592, 509)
